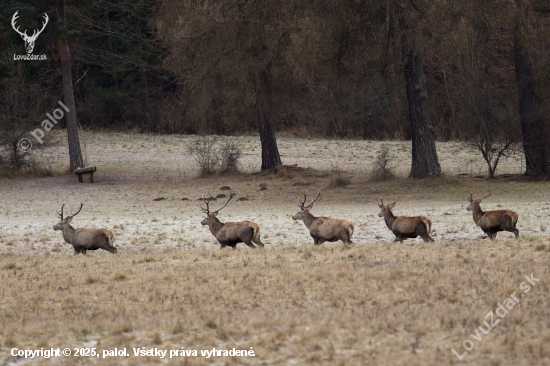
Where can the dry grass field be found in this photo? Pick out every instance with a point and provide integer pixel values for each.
(372, 303)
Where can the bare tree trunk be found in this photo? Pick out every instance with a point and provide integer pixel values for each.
(66, 76)
(535, 144)
(424, 155)
(270, 152)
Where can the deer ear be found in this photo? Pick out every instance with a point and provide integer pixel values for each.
(393, 205)
(69, 219)
(381, 206)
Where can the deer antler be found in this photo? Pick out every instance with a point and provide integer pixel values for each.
(15, 16)
(73, 215)
(394, 201)
(312, 202)
(24, 34)
(485, 196)
(60, 214)
(36, 33)
(302, 203)
(471, 198)
(229, 199)
(207, 209)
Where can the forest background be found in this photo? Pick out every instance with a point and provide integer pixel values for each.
(335, 69)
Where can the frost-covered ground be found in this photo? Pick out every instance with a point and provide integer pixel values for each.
(135, 169)
(372, 303)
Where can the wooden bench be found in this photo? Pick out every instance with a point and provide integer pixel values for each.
(90, 171)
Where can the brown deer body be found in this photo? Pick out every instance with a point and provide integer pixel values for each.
(231, 233)
(491, 222)
(405, 227)
(84, 239)
(324, 229)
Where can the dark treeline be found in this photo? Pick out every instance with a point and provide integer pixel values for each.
(324, 68)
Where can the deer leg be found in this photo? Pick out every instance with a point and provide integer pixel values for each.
(76, 252)
(515, 231)
(106, 246)
(345, 237)
(422, 231)
(258, 241)
(427, 239)
(507, 223)
(247, 237)
(318, 240)
(248, 242)
(109, 249)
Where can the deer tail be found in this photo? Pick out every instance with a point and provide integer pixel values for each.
(351, 228)
(256, 234)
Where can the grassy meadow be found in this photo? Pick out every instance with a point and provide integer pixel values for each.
(372, 303)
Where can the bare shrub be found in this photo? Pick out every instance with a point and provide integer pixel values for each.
(203, 150)
(214, 159)
(46, 164)
(23, 107)
(230, 153)
(13, 129)
(338, 178)
(382, 171)
(493, 148)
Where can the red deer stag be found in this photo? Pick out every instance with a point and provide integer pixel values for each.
(231, 233)
(324, 229)
(405, 227)
(84, 239)
(491, 222)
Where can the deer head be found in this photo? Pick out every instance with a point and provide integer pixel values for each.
(384, 208)
(474, 203)
(210, 215)
(61, 225)
(29, 40)
(304, 210)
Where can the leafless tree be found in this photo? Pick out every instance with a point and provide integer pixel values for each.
(493, 148)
